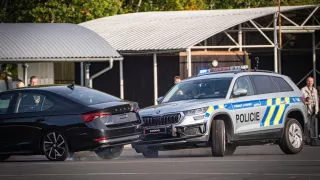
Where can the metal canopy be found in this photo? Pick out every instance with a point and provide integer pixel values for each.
(152, 31)
(52, 42)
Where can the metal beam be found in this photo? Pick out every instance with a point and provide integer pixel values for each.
(240, 37)
(189, 60)
(264, 35)
(25, 73)
(314, 58)
(155, 78)
(87, 75)
(292, 22)
(275, 39)
(231, 46)
(305, 21)
(231, 38)
(121, 80)
(81, 74)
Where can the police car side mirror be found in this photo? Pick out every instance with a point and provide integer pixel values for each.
(240, 92)
(159, 100)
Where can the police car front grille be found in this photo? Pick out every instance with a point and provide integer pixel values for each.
(161, 120)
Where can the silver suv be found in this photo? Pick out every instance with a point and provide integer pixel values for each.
(223, 110)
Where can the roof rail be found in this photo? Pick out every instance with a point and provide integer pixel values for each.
(258, 70)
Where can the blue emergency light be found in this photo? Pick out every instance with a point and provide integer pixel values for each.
(224, 69)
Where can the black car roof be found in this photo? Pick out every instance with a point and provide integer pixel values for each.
(55, 88)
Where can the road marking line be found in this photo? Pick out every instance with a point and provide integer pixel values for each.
(177, 173)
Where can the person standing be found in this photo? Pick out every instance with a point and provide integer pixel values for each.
(312, 102)
(33, 81)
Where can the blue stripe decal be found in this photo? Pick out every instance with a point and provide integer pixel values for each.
(215, 107)
(283, 99)
(265, 116)
(285, 108)
(207, 115)
(228, 106)
(263, 102)
(274, 101)
(245, 104)
(274, 115)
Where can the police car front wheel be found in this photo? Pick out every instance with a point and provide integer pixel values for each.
(218, 137)
(292, 140)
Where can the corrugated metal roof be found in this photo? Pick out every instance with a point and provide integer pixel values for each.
(48, 41)
(173, 29)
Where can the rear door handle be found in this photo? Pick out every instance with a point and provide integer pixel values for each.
(40, 120)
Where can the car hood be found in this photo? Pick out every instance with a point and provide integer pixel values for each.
(177, 106)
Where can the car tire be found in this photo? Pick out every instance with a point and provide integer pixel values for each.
(230, 149)
(218, 138)
(292, 138)
(4, 157)
(109, 152)
(55, 146)
(150, 153)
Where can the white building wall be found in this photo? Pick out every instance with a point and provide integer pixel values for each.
(43, 71)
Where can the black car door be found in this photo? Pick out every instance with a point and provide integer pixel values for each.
(7, 103)
(27, 121)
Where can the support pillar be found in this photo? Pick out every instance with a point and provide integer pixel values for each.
(25, 74)
(314, 58)
(87, 75)
(189, 61)
(155, 78)
(240, 38)
(121, 80)
(275, 42)
(81, 74)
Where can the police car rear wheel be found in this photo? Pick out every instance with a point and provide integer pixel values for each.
(150, 153)
(218, 136)
(292, 140)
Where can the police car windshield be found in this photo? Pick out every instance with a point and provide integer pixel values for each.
(199, 89)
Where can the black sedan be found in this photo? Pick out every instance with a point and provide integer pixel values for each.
(61, 119)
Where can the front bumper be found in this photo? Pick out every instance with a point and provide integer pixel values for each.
(172, 135)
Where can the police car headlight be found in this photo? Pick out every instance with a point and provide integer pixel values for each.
(195, 111)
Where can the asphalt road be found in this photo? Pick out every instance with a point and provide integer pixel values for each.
(256, 162)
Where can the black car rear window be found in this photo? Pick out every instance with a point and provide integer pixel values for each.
(89, 96)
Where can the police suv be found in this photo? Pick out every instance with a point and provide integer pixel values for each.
(223, 108)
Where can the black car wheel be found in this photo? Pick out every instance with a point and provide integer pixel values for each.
(150, 153)
(4, 157)
(109, 152)
(218, 137)
(55, 146)
(292, 139)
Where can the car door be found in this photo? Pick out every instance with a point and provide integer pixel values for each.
(246, 109)
(27, 121)
(274, 102)
(7, 103)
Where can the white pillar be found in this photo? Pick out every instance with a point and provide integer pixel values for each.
(155, 77)
(275, 41)
(279, 55)
(87, 76)
(81, 73)
(314, 58)
(189, 61)
(121, 80)
(25, 74)
(240, 37)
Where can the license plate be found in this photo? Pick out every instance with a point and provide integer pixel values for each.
(155, 131)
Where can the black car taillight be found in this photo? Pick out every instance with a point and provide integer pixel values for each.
(91, 116)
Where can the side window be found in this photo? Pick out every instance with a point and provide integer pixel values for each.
(282, 84)
(32, 102)
(5, 101)
(244, 82)
(264, 84)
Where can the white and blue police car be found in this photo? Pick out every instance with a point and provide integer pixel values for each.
(223, 108)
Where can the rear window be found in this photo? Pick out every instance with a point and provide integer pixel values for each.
(282, 84)
(88, 96)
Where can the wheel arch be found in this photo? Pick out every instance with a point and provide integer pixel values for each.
(228, 123)
(296, 114)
